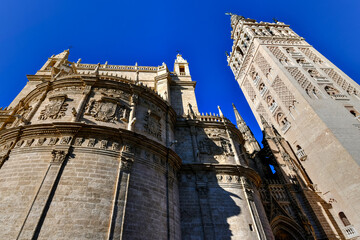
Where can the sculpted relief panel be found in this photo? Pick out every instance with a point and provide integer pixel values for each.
(108, 109)
(152, 124)
(214, 145)
(55, 109)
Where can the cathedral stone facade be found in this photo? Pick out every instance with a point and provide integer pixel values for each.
(100, 151)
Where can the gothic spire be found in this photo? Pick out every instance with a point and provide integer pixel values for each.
(264, 122)
(239, 120)
(250, 142)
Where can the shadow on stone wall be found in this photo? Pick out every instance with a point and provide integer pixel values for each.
(206, 207)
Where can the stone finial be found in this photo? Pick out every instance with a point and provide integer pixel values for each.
(96, 71)
(220, 112)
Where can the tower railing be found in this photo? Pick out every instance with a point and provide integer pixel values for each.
(263, 91)
(350, 232)
(286, 127)
(273, 107)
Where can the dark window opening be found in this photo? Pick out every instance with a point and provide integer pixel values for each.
(344, 219)
(251, 227)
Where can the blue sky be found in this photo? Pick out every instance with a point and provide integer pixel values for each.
(150, 32)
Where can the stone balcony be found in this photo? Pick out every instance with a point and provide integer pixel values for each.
(286, 127)
(350, 232)
(321, 80)
(256, 80)
(301, 154)
(306, 65)
(273, 107)
(263, 91)
(340, 97)
(296, 54)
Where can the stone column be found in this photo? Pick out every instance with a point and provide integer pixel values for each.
(248, 192)
(36, 215)
(117, 220)
(206, 217)
(78, 112)
(194, 144)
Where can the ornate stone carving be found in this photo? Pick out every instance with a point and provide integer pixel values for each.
(113, 93)
(65, 140)
(128, 148)
(22, 115)
(115, 146)
(19, 144)
(29, 142)
(103, 144)
(283, 42)
(79, 141)
(215, 146)
(55, 109)
(126, 164)
(108, 109)
(205, 146)
(58, 156)
(41, 141)
(226, 147)
(53, 140)
(152, 124)
(91, 142)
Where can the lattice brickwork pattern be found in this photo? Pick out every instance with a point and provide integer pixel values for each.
(310, 55)
(262, 111)
(277, 53)
(300, 78)
(247, 60)
(340, 81)
(262, 63)
(283, 92)
(249, 89)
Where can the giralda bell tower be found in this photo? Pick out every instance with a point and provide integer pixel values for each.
(311, 103)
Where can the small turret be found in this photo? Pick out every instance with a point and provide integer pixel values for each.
(55, 64)
(181, 67)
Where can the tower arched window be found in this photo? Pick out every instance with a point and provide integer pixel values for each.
(344, 219)
(331, 90)
(239, 51)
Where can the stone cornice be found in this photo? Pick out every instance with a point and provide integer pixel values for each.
(224, 168)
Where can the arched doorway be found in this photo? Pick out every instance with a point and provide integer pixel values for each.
(284, 228)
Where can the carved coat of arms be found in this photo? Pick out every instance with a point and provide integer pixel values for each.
(108, 110)
(152, 124)
(56, 109)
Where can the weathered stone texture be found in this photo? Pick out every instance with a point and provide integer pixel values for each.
(83, 198)
(20, 180)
